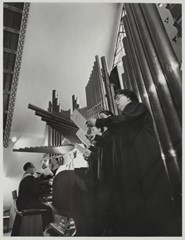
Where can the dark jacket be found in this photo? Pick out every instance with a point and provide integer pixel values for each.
(145, 203)
(70, 198)
(29, 193)
(105, 164)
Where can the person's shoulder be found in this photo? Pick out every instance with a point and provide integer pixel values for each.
(26, 180)
(29, 178)
(142, 106)
(138, 104)
(134, 106)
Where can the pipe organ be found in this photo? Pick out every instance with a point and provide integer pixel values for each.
(99, 90)
(152, 71)
(95, 92)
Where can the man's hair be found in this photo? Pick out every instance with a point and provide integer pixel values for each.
(27, 165)
(127, 93)
(106, 112)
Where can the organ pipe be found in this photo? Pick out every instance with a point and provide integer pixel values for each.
(165, 51)
(167, 146)
(140, 81)
(127, 73)
(127, 42)
(163, 92)
(105, 105)
(107, 85)
(124, 80)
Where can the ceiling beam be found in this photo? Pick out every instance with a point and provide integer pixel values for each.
(8, 71)
(12, 8)
(8, 50)
(12, 30)
(6, 92)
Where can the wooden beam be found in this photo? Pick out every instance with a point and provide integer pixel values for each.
(8, 50)
(12, 8)
(6, 92)
(12, 30)
(8, 71)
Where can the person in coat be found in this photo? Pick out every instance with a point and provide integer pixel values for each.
(29, 197)
(105, 194)
(145, 205)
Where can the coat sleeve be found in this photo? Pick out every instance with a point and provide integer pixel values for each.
(102, 140)
(92, 149)
(131, 112)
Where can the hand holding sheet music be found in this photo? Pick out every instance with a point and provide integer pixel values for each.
(91, 122)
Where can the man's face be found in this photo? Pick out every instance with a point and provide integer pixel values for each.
(121, 101)
(103, 115)
(95, 130)
(31, 170)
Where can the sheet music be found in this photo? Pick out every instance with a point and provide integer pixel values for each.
(80, 148)
(80, 121)
(82, 136)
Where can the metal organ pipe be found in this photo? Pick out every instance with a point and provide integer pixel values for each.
(127, 42)
(163, 92)
(127, 73)
(107, 85)
(166, 143)
(165, 51)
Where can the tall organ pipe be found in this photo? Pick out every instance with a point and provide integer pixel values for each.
(107, 85)
(101, 83)
(140, 81)
(124, 80)
(167, 146)
(127, 73)
(165, 51)
(166, 100)
(127, 42)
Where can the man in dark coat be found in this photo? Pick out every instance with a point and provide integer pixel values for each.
(145, 206)
(29, 197)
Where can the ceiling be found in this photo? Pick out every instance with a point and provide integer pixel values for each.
(60, 45)
(12, 19)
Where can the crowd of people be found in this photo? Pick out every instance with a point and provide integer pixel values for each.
(121, 188)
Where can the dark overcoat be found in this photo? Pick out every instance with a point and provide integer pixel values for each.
(144, 200)
(29, 195)
(70, 198)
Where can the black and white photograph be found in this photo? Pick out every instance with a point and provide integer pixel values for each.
(92, 119)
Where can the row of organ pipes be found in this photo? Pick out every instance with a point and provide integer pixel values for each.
(156, 79)
(152, 71)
